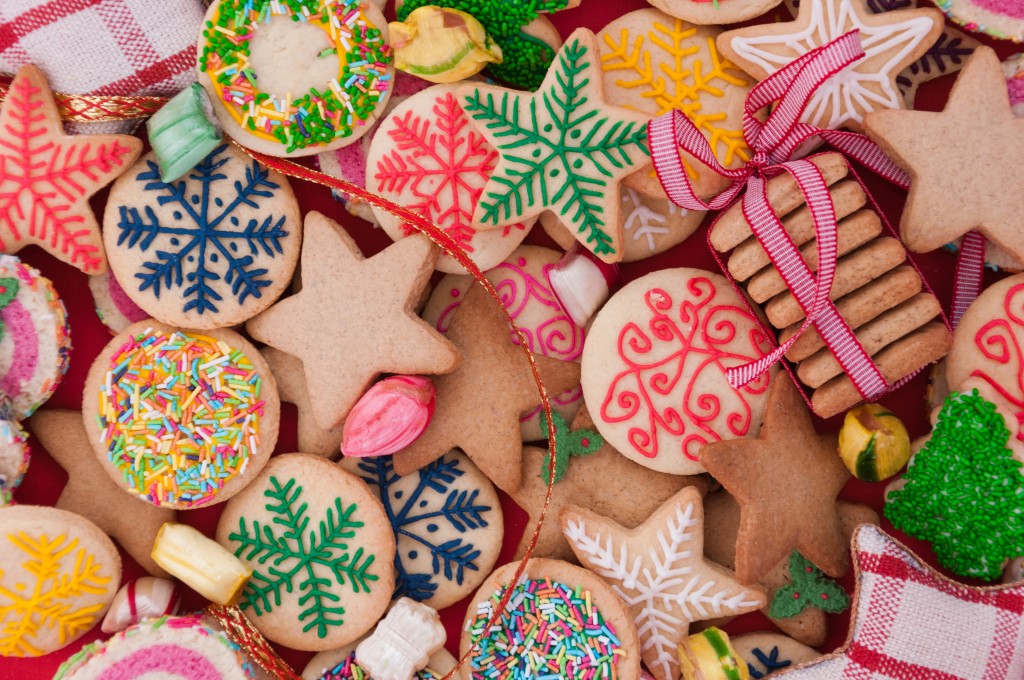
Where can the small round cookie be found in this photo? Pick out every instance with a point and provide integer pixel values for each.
(178, 418)
(1003, 19)
(113, 306)
(295, 78)
(766, 653)
(522, 282)
(179, 647)
(340, 664)
(585, 629)
(649, 225)
(708, 12)
(654, 368)
(447, 522)
(654, 63)
(58, 575)
(35, 340)
(209, 250)
(427, 156)
(14, 456)
(321, 549)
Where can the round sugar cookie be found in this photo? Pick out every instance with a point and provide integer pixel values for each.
(321, 549)
(35, 340)
(181, 418)
(522, 282)
(211, 249)
(171, 647)
(654, 368)
(14, 456)
(1003, 19)
(427, 156)
(287, 85)
(447, 522)
(766, 653)
(58, 575)
(340, 664)
(711, 12)
(113, 306)
(603, 644)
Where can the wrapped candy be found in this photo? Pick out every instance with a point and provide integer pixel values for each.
(389, 417)
(143, 598)
(873, 443)
(402, 642)
(582, 283)
(203, 565)
(709, 655)
(442, 45)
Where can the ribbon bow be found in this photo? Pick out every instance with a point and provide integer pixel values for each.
(773, 143)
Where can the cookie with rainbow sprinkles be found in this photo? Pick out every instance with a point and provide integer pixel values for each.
(180, 418)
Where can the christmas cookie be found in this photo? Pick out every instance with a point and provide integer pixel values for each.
(583, 628)
(654, 368)
(1013, 71)
(180, 418)
(14, 457)
(766, 653)
(209, 250)
(561, 148)
(427, 156)
(340, 664)
(49, 177)
(290, 376)
(522, 282)
(354, 317)
(1003, 19)
(58, 574)
(167, 647)
(717, 11)
(654, 63)
(447, 522)
(321, 550)
(892, 41)
(113, 306)
(295, 78)
(659, 571)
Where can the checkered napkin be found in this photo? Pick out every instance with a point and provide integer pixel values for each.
(103, 47)
(912, 624)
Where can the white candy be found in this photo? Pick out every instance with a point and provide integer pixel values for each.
(143, 598)
(402, 643)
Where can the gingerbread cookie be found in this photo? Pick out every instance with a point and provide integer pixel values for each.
(319, 590)
(654, 368)
(353, 319)
(522, 282)
(58, 574)
(427, 156)
(209, 250)
(14, 457)
(721, 12)
(892, 41)
(113, 306)
(1003, 19)
(341, 664)
(290, 376)
(447, 522)
(287, 85)
(766, 653)
(584, 628)
(49, 176)
(208, 399)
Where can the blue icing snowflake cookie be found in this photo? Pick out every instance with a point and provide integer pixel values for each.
(447, 522)
(209, 250)
(767, 653)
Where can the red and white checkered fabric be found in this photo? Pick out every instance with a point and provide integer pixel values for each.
(912, 624)
(103, 47)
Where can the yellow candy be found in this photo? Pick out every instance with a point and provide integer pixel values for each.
(873, 443)
(203, 565)
(709, 655)
(442, 45)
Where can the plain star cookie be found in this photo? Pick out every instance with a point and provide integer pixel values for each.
(561, 148)
(47, 177)
(659, 571)
(321, 550)
(354, 317)
(290, 375)
(892, 41)
(956, 154)
(654, 368)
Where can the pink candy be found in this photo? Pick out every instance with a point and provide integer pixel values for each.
(389, 417)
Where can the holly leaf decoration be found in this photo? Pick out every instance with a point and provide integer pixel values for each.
(567, 445)
(809, 588)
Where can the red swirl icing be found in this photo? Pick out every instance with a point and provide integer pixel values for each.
(658, 389)
(999, 341)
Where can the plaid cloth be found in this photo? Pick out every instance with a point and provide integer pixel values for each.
(113, 47)
(912, 624)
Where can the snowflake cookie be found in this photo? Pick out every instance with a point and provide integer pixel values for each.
(766, 653)
(321, 549)
(58, 575)
(427, 156)
(447, 522)
(208, 250)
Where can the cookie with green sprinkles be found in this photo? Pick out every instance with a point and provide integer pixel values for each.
(296, 77)
(561, 621)
(181, 418)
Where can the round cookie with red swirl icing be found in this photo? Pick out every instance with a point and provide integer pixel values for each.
(654, 368)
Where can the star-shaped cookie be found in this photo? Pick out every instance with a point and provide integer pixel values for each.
(659, 571)
(956, 160)
(892, 41)
(291, 385)
(47, 177)
(911, 622)
(354, 318)
(561, 148)
(478, 405)
(91, 493)
(786, 482)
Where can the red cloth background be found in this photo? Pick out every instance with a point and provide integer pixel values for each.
(45, 478)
